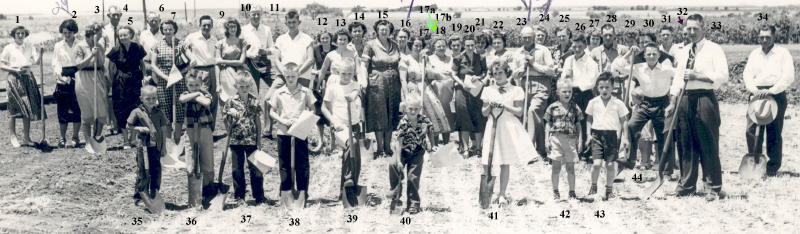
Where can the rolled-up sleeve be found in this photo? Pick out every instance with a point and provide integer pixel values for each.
(719, 71)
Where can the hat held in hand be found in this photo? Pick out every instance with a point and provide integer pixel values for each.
(762, 111)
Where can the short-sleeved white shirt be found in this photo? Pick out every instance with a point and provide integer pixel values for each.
(294, 50)
(606, 117)
(335, 94)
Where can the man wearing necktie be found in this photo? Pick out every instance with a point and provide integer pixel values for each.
(111, 40)
(703, 67)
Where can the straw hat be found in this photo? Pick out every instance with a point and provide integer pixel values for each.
(762, 111)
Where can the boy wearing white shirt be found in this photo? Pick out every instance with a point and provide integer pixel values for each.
(583, 70)
(605, 116)
(769, 72)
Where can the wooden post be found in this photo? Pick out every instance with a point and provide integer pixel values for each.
(185, 12)
(144, 11)
(103, 20)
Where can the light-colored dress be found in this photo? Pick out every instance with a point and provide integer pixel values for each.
(511, 142)
(92, 87)
(432, 107)
(228, 73)
(164, 53)
(443, 87)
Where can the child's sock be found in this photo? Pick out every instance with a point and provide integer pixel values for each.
(556, 196)
(572, 194)
(593, 189)
(609, 192)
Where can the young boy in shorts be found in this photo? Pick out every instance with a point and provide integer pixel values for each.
(605, 116)
(562, 120)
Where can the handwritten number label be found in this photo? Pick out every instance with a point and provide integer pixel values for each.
(479, 22)
(161, 8)
(274, 7)
(352, 218)
(580, 26)
(522, 21)
(17, 20)
(600, 214)
(564, 214)
(173, 15)
(221, 14)
(666, 18)
(498, 24)
(594, 22)
(341, 22)
(96, 9)
(125, 8)
(630, 23)
(405, 23)
(137, 221)
(637, 177)
(322, 21)
(564, 18)
(383, 14)
(611, 18)
(405, 220)
(245, 219)
(246, 7)
(74, 14)
(294, 221)
(649, 23)
(191, 221)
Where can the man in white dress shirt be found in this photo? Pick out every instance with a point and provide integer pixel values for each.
(200, 48)
(259, 37)
(702, 67)
(667, 37)
(150, 37)
(583, 71)
(769, 72)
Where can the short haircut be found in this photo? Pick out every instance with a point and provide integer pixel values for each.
(565, 83)
(342, 33)
(205, 17)
(580, 38)
(569, 32)
(667, 27)
(605, 76)
(292, 14)
(502, 65)
(651, 44)
(413, 99)
(470, 37)
(290, 66)
(238, 27)
(129, 28)
(357, 25)
(69, 24)
(383, 22)
(769, 28)
(608, 26)
(650, 35)
(169, 22)
(20, 28)
(596, 33)
(696, 17)
(148, 89)
(455, 38)
(92, 29)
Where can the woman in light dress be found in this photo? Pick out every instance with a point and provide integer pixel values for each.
(411, 69)
(440, 70)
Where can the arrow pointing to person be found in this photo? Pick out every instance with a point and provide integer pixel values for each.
(432, 26)
(680, 21)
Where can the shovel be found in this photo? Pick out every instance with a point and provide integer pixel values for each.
(42, 145)
(219, 201)
(96, 146)
(195, 178)
(754, 165)
(293, 199)
(487, 180)
(668, 144)
(154, 204)
(353, 194)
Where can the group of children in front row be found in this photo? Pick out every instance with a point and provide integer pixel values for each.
(605, 115)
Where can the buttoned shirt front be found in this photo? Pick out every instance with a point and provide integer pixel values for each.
(65, 55)
(604, 58)
(542, 59)
(289, 105)
(202, 49)
(257, 37)
(149, 41)
(775, 68)
(605, 116)
(294, 49)
(584, 71)
(653, 82)
(710, 61)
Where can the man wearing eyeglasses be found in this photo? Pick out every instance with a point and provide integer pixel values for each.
(200, 50)
(768, 73)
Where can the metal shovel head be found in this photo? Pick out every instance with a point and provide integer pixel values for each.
(43, 146)
(753, 166)
(486, 190)
(653, 188)
(195, 189)
(14, 142)
(172, 161)
(353, 196)
(175, 150)
(218, 203)
(155, 204)
(293, 199)
(96, 147)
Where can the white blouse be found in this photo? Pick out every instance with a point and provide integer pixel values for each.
(15, 55)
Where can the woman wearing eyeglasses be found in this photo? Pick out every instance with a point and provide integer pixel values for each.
(24, 98)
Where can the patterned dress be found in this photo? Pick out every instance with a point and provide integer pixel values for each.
(228, 73)
(24, 98)
(383, 92)
(165, 58)
(431, 106)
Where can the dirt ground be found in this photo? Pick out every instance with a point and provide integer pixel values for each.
(70, 191)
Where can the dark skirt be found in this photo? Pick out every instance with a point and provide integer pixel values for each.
(67, 103)
(468, 116)
(24, 98)
(125, 91)
(382, 103)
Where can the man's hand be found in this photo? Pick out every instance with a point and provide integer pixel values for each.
(760, 94)
(669, 109)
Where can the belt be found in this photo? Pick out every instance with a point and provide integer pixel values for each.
(656, 99)
(698, 92)
(204, 67)
(202, 125)
(91, 68)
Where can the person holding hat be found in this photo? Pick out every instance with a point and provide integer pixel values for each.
(23, 93)
(769, 71)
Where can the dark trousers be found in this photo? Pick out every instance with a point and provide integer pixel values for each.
(256, 74)
(774, 136)
(582, 98)
(412, 164)
(541, 91)
(698, 139)
(351, 159)
(148, 180)
(240, 153)
(650, 109)
(301, 165)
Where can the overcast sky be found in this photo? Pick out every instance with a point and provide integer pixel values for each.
(87, 6)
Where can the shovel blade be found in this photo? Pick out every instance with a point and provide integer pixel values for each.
(353, 196)
(195, 189)
(486, 190)
(155, 204)
(753, 166)
(653, 188)
(293, 199)
(218, 203)
(96, 147)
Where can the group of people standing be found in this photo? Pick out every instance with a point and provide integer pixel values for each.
(587, 97)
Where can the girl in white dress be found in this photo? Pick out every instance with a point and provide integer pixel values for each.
(511, 144)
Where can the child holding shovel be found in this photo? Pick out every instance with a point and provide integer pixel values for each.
(411, 132)
(338, 96)
(152, 127)
(198, 124)
(241, 114)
